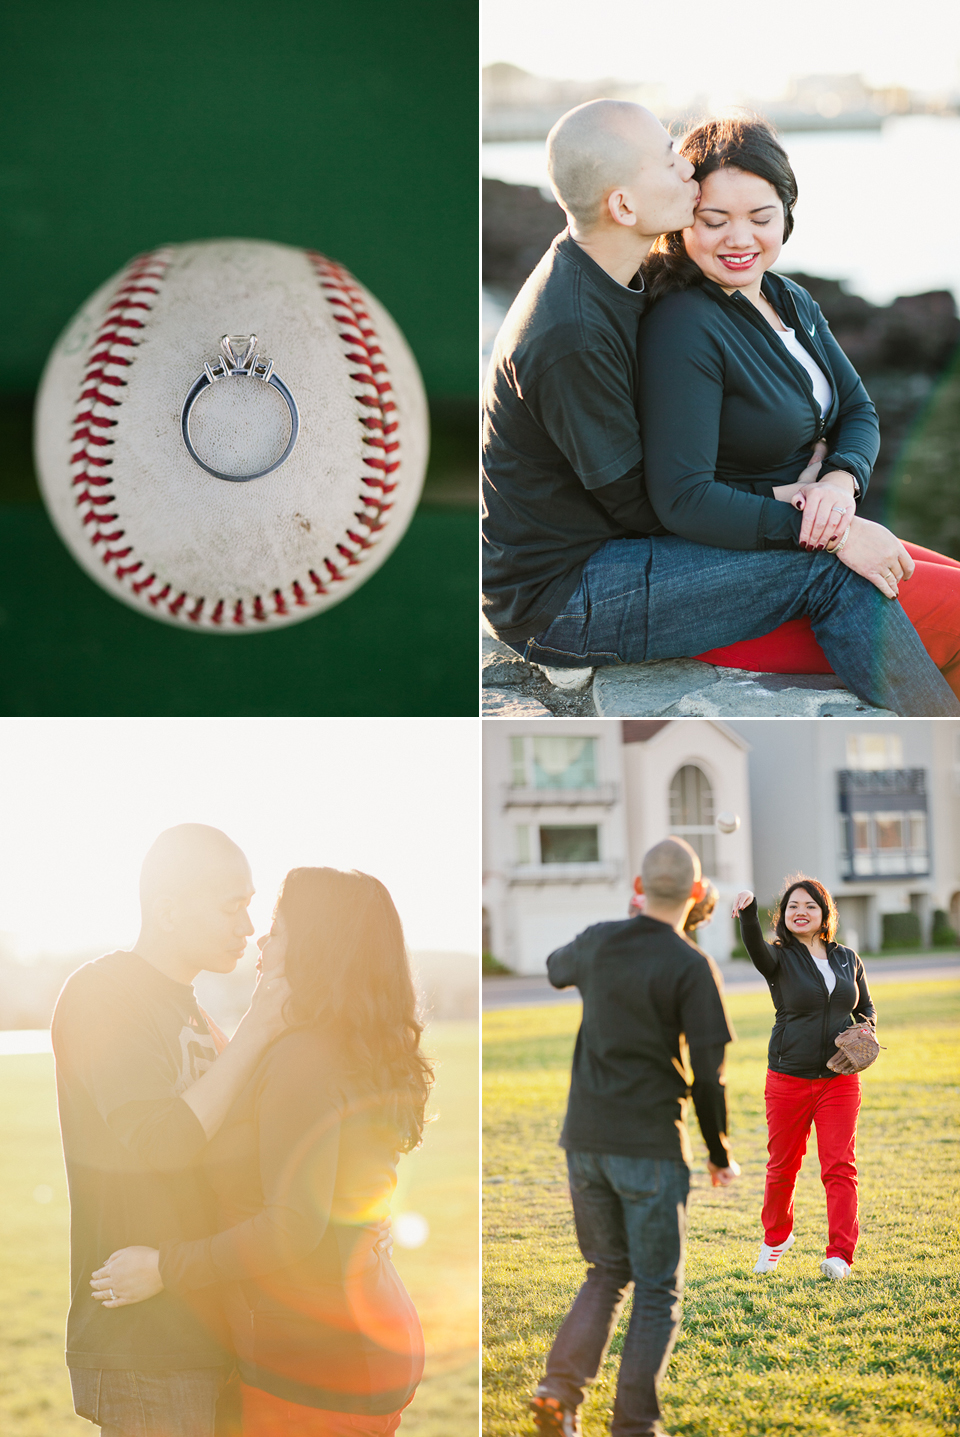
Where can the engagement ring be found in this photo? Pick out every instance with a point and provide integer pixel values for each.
(112, 1298)
(837, 510)
(238, 359)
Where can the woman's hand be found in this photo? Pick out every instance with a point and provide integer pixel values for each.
(827, 510)
(128, 1276)
(743, 900)
(786, 493)
(266, 1011)
(876, 554)
(809, 475)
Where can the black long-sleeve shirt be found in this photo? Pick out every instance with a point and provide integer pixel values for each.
(562, 468)
(808, 1018)
(727, 413)
(128, 1042)
(650, 997)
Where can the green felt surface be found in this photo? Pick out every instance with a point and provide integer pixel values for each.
(401, 645)
(348, 128)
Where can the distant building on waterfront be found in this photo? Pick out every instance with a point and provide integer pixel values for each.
(519, 106)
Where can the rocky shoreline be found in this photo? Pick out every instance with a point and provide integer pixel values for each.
(900, 350)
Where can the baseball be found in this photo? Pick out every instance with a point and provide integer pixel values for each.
(728, 822)
(231, 435)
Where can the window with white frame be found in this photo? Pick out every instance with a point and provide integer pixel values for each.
(548, 761)
(883, 823)
(872, 752)
(691, 814)
(569, 843)
(536, 844)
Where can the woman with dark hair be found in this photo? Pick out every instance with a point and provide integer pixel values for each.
(304, 1168)
(819, 990)
(751, 410)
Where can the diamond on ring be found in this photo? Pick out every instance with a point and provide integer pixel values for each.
(239, 359)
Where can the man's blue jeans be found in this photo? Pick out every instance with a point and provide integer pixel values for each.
(669, 598)
(631, 1220)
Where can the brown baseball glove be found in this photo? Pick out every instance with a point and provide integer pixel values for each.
(857, 1048)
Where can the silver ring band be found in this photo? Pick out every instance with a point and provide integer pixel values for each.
(837, 510)
(238, 359)
(112, 1297)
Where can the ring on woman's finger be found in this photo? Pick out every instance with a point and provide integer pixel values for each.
(112, 1295)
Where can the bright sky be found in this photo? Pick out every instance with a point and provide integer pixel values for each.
(728, 50)
(81, 800)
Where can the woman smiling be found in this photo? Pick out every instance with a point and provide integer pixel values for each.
(819, 990)
(743, 385)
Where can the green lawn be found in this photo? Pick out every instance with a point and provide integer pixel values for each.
(440, 1182)
(788, 1354)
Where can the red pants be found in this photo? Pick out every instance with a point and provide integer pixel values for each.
(267, 1416)
(793, 1105)
(930, 599)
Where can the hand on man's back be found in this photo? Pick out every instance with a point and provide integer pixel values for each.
(876, 554)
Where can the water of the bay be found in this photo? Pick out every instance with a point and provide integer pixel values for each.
(878, 209)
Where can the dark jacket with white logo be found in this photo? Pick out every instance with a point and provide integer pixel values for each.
(808, 1018)
(727, 413)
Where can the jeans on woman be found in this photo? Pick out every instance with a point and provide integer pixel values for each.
(631, 1221)
(669, 598)
(794, 1105)
(930, 599)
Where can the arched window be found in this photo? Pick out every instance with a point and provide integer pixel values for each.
(691, 814)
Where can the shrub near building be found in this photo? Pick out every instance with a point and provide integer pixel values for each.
(901, 930)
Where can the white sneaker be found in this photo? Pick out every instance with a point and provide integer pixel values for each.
(835, 1267)
(770, 1256)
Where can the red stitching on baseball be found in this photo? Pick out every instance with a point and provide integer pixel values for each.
(113, 350)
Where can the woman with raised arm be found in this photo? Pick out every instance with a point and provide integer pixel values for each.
(742, 384)
(819, 991)
(304, 1168)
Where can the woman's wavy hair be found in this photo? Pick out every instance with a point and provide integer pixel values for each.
(738, 142)
(820, 896)
(349, 978)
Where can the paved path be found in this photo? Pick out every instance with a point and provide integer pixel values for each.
(535, 992)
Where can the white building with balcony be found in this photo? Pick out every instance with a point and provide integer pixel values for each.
(569, 815)
(871, 808)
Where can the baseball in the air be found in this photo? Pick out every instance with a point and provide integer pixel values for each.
(728, 822)
(274, 344)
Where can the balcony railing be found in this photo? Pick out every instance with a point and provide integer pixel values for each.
(599, 795)
(567, 873)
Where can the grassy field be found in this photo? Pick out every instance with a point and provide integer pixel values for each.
(789, 1354)
(439, 1182)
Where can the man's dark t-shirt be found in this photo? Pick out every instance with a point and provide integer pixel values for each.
(645, 990)
(560, 430)
(128, 1041)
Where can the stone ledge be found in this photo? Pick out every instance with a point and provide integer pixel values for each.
(687, 688)
(511, 703)
(502, 665)
(666, 688)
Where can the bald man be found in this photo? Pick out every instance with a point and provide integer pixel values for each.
(578, 568)
(141, 1089)
(651, 1000)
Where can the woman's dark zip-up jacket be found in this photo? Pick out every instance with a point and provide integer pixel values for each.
(727, 412)
(808, 1018)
